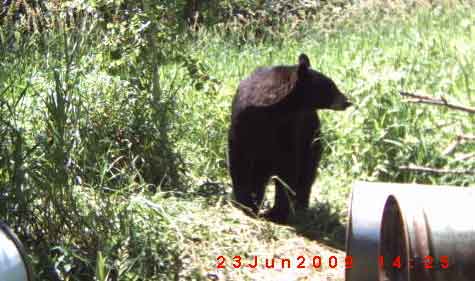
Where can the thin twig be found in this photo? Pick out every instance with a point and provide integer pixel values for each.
(465, 156)
(436, 101)
(422, 169)
(452, 146)
(460, 139)
(466, 137)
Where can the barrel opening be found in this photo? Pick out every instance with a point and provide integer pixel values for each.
(393, 245)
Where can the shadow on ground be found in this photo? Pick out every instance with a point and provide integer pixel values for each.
(321, 224)
(318, 223)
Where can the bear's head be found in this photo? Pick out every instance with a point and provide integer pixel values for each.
(319, 91)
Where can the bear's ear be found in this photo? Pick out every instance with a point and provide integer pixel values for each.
(304, 63)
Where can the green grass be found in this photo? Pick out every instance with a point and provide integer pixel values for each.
(86, 159)
(424, 51)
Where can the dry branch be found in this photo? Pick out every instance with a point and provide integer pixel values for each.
(451, 148)
(422, 169)
(465, 156)
(466, 137)
(460, 139)
(436, 101)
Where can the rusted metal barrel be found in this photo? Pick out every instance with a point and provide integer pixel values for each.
(438, 234)
(366, 205)
(13, 261)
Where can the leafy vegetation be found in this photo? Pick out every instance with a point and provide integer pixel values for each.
(114, 114)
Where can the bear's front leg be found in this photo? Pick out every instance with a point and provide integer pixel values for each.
(308, 172)
(281, 210)
(240, 167)
(309, 155)
(284, 189)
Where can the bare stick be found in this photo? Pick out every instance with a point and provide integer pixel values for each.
(463, 157)
(451, 148)
(460, 139)
(466, 137)
(436, 101)
(422, 169)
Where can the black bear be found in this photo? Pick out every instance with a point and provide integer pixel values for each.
(275, 131)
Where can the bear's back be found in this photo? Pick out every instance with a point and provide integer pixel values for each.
(265, 87)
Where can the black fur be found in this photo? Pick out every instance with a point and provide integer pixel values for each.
(275, 130)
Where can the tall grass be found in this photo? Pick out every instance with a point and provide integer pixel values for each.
(77, 144)
(115, 168)
(424, 51)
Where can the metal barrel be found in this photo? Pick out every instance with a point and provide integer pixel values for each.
(440, 235)
(366, 203)
(13, 259)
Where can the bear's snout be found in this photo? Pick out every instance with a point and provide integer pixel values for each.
(340, 103)
(347, 104)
